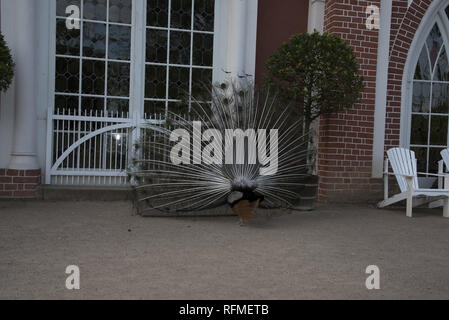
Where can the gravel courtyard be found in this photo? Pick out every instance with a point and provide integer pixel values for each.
(321, 254)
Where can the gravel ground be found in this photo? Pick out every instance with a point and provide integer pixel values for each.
(321, 254)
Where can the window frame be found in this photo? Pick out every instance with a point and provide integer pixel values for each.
(441, 19)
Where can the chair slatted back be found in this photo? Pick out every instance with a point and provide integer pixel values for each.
(403, 161)
(445, 155)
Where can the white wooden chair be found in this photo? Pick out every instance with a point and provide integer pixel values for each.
(403, 163)
(443, 166)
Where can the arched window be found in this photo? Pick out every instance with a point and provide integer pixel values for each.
(430, 99)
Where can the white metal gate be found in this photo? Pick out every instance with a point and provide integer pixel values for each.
(94, 149)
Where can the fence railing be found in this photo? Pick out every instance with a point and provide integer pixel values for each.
(94, 148)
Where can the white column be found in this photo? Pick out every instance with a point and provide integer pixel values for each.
(316, 16)
(236, 38)
(24, 144)
(383, 60)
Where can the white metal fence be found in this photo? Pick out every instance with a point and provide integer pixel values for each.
(95, 148)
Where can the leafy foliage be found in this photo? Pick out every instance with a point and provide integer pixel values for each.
(317, 71)
(6, 65)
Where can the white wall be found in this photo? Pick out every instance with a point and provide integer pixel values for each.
(44, 23)
(7, 99)
(7, 106)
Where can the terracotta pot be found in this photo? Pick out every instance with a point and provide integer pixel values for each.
(245, 209)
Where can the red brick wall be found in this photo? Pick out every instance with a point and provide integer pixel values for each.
(406, 26)
(277, 21)
(19, 183)
(346, 139)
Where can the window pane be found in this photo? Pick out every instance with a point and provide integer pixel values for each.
(118, 79)
(95, 10)
(93, 77)
(201, 82)
(157, 13)
(434, 157)
(434, 43)
(440, 98)
(94, 40)
(421, 156)
(442, 68)
(154, 107)
(120, 11)
(67, 41)
(118, 108)
(119, 42)
(65, 102)
(92, 106)
(422, 71)
(179, 47)
(61, 6)
(420, 126)
(421, 97)
(156, 47)
(155, 80)
(204, 15)
(181, 14)
(179, 83)
(179, 108)
(438, 130)
(67, 75)
(203, 47)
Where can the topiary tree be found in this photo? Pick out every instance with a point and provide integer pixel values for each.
(6, 65)
(318, 72)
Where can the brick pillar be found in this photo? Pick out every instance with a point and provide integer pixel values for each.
(346, 139)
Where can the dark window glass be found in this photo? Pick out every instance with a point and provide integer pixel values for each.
(204, 15)
(67, 75)
(61, 6)
(119, 43)
(156, 46)
(421, 97)
(118, 79)
(181, 14)
(179, 47)
(93, 77)
(438, 130)
(118, 107)
(94, 39)
(420, 128)
(179, 83)
(95, 10)
(155, 80)
(92, 106)
(423, 67)
(67, 41)
(120, 11)
(157, 13)
(203, 48)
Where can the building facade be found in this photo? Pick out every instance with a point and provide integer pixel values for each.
(84, 86)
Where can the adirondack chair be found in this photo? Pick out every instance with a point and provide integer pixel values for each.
(442, 164)
(403, 163)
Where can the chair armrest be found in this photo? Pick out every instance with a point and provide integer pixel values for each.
(434, 174)
(398, 174)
